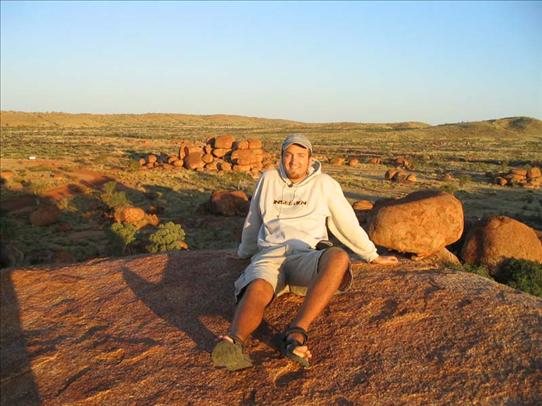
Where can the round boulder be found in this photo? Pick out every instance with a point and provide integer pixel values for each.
(423, 222)
(229, 203)
(495, 239)
(129, 215)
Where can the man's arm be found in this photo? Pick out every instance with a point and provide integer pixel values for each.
(251, 228)
(344, 224)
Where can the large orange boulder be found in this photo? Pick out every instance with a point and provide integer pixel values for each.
(423, 222)
(193, 161)
(129, 215)
(223, 141)
(229, 203)
(495, 239)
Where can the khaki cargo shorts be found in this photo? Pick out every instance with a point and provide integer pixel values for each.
(286, 269)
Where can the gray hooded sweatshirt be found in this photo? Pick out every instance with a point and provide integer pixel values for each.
(283, 213)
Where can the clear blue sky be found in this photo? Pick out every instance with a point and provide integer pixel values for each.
(310, 61)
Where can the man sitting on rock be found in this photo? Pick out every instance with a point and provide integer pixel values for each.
(285, 234)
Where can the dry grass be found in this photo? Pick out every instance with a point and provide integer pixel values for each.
(108, 144)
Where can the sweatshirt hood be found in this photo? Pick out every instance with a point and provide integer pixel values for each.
(314, 170)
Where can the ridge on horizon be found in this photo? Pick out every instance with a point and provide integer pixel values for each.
(17, 118)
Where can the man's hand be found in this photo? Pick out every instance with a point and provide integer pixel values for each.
(385, 260)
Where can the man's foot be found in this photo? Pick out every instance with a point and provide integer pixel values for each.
(293, 346)
(228, 352)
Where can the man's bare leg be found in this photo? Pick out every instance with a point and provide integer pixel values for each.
(333, 265)
(249, 312)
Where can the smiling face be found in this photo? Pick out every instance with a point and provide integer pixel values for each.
(296, 161)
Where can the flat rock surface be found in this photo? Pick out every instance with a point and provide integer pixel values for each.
(139, 331)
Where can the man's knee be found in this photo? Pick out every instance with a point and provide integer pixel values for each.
(261, 289)
(336, 259)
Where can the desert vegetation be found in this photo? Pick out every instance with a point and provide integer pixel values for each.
(73, 202)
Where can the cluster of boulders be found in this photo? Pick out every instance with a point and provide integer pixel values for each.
(353, 162)
(399, 176)
(525, 177)
(218, 154)
(399, 162)
(425, 223)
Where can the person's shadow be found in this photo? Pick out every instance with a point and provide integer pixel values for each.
(194, 295)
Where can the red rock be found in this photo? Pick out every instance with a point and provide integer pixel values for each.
(337, 161)
(229, 203)
(224, 166)
(254, 143)
(519, 171)
(411, 178)
(501, 181)
(179, 163)
(152, 158)
(224, 142)
(375, 161)
(6, 176)
(390, 173)
(130, 215)
(193, 161)
(220, 152)
(240, 145)
(534, 172)
(353, 162)
(402, 162)
(495, 239)
(423, 222)
(211, 166)
(362, 205)
(241, 168)
(141, 161)
(193, 149)
(207, 158)
(45, 215)
(139, 330)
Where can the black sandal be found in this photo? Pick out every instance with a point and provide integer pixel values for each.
(228, 352)
(288, 345)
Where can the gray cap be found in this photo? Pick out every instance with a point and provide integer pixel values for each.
(298, 139)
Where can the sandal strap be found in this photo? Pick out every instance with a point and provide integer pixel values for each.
(236, 339)
(298, 330)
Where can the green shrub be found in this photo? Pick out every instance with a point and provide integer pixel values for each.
(476, 269)
(121, 236)
(523, 275)
(7, 228)
(166, 238)
(112, 198)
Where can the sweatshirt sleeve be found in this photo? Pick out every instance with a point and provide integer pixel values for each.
(251, 228)
(344, 224)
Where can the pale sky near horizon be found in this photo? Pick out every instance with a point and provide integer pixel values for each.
(435, 62)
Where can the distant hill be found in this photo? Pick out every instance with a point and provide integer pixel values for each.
(84, 120)
(514, 124)
(14, 119)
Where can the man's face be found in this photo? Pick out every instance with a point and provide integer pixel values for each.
(296, 160)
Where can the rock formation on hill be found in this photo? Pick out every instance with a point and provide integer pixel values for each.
(139, 330)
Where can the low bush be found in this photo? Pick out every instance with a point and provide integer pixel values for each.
(112, 198)
(476, 269)
(523, 275)
(166, 238)
(120, 237)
